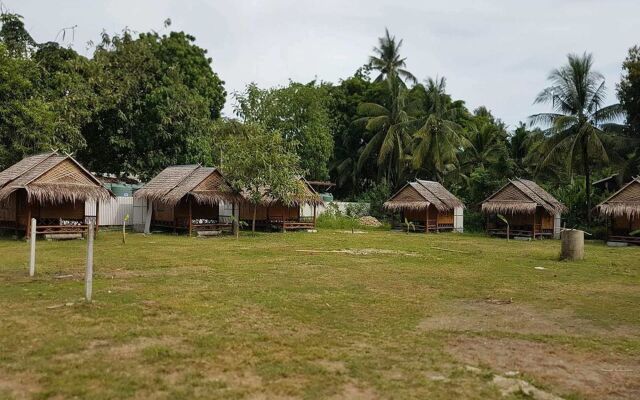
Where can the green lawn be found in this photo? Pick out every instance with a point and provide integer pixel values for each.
(371, 315)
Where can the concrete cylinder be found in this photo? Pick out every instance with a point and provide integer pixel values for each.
(572, 245)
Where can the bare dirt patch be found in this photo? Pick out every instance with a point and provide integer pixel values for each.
(592, 375)
(362, 252)
(508, 316)
(18, 385)
(354, 391)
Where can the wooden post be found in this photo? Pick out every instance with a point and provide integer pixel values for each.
(97, 217)
(32, 258)
(88, 275)
(190, 219)
(426, 222)
(533, 228)
(314, 215)
(234, 221)
(147, 221)
(27, 231)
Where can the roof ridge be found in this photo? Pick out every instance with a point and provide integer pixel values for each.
(543, 201)
(431, 191)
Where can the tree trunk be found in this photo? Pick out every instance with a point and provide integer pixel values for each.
(253, 221)
(587, 178)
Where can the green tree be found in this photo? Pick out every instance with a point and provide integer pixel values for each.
(299, 112)
(388, 61)
(629, 89)
(158, 99)
(576, 126)
(14, 35)
(439, 137)
(262, 165)
(391, 128)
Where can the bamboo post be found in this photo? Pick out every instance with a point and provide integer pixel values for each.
(314, 215)
(32, 258)
(88, 275)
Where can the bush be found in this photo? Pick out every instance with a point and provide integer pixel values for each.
(333, 218)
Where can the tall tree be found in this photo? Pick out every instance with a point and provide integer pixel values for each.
(391, 129)
(158, 99)
(299, 112)
(261, 164)
(629, 89)
(575, 128)
(388, 61)
(439, 137)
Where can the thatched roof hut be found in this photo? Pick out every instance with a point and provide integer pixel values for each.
(306, 195)
(272, 212)
(51, 178)
(51, 188)
(203, 184)
(428, 204)
(623, 203)
(187, 197)
(421, 194)
(623, 210)
(530, 210)
(521, 196)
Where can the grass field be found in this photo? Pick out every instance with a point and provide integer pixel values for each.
(323, 315)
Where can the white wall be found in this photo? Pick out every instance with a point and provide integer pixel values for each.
(458, 219)
(113, 211)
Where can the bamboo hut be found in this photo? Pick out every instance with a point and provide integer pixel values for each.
(187, 198)
(273, 213)
(529, 210)
(53, 189)
(623, 211)
(428, 206)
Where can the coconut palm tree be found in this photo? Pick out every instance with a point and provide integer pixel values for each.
(387, 59)
(579, 120)
(391, 138)
(486, 142)
(438, 136)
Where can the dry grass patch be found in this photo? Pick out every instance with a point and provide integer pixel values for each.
(590, 374)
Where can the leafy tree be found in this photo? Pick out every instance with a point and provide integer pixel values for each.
(629, 89)
(14, 35)
(262, 165)
(439, 137)
(576, 126)
(27, 122)
(387, 59)
(159, 97)
(299, 112)
(391, 138)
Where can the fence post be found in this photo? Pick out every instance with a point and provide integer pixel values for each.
(32, 258)
(88, 275)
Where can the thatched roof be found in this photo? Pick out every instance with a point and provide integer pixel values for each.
(420, 195)
(205, 185)
(306, 196)
(51, 178)
(521, 196)
(623, 203)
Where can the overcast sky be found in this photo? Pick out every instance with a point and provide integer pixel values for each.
(494, 53)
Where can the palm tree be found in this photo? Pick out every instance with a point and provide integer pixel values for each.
(578, 120)
(439, 137)
(486, 143)
(387, 59)
(392, 138)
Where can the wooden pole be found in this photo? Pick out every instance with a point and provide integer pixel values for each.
(32, 258)
(147, 221)
(190, 219)
(533, 228)
(426, 222)
(88, 275)
(97, 216)
(314, 215)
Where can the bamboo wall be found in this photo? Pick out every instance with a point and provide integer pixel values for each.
(263, 213)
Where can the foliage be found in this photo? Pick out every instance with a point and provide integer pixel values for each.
(299, 112)
(577, 124)
(262, 165)
(629, 89)
(375, 195)
(159, 97)
(387, 59)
